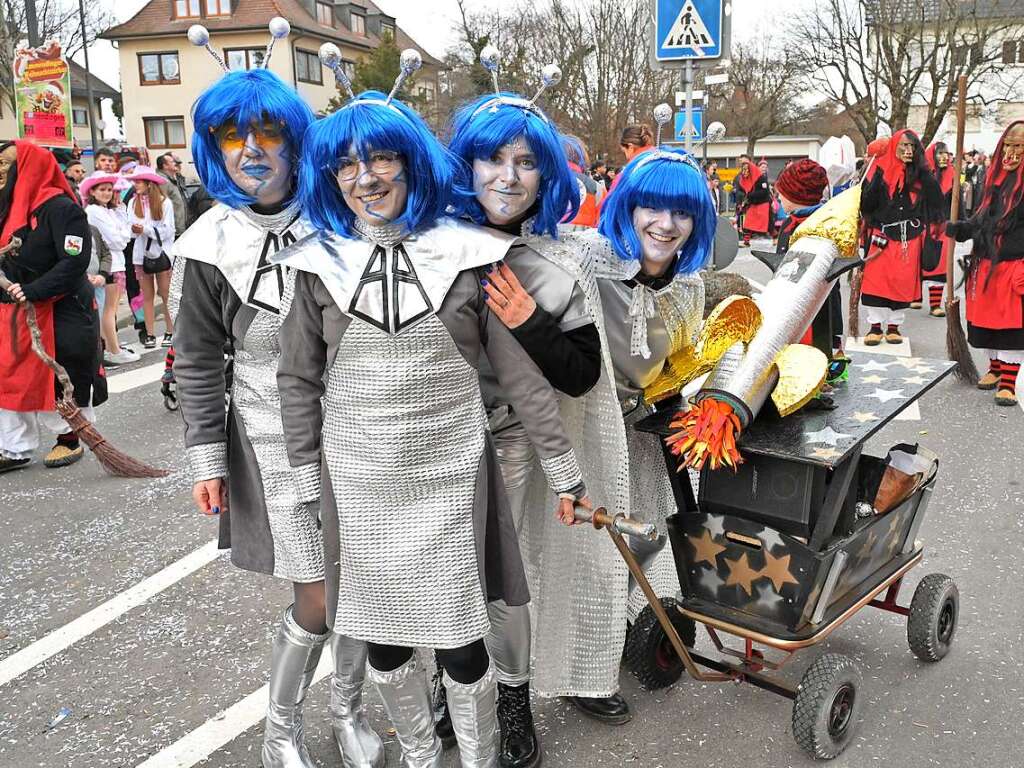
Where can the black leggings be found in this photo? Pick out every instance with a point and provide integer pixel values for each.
(464, 665)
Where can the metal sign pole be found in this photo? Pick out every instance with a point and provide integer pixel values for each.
(88, 84)
(32, 24)
(688, 123)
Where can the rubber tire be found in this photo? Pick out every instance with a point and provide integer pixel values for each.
(649, 654)
(936, 594)
(170, 403)
(829, 675)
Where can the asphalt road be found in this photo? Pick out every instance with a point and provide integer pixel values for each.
(164, 667)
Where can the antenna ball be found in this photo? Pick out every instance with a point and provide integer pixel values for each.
(410, 60)
(489, 57)
(551, 75)
(662, 113)
(198, 34)
(330, 55)
(279, 27)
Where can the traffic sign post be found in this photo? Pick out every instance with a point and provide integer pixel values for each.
(687, 31)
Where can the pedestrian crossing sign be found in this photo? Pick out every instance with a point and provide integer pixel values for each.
(688, 29)
(696, 130)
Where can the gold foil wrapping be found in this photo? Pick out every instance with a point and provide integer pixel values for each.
(837, 220)
(802, 372)
(736, 318)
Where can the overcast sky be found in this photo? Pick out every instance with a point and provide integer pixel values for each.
(432, 23)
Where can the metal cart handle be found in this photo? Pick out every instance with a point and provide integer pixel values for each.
(600, 518)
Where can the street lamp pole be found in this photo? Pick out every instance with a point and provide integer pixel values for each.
(88, 79)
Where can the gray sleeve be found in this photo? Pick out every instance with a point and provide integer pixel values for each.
(535, 403)
(576, 314)
(300, 378)
(199, 338)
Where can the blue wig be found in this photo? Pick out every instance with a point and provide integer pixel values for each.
(477, 131)
(368, 124)
(243, 98)
(662, 179)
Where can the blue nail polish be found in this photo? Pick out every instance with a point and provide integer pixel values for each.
(483, 282)
(216, 510)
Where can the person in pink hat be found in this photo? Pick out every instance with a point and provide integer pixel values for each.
(151, 217)
(108, 219)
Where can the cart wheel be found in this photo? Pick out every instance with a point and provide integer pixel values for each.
(933, 615)
(649, 652)
(826, 713)
(170, 402)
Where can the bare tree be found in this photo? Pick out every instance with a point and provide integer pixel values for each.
(764, 95)
(58, 20)
(879, 58)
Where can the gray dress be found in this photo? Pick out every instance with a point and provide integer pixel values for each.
(225, 292)
(417, 529)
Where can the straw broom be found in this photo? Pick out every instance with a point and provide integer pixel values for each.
(956, 341)
(112, 460)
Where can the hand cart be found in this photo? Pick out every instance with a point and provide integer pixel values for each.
(777, 556)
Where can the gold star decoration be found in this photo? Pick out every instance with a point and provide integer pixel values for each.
(742, 574)
(863, 417)
(910, 362)
(869, 544)
(892, 535)
(777, 569)
(915, 380)
(705, 549)
(873, 379)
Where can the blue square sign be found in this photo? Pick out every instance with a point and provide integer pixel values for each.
(688, 29)
(679, 134)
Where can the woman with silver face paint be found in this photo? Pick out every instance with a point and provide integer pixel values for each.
(382, 405)
(523, 186)
(227, 294)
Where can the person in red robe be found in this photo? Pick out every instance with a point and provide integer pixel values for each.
(995, 275)
(755, 206)
(48, 270)
(900, 199)
(933, 259)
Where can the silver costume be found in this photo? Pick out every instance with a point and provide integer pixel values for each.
(399, 323)
(238, 244)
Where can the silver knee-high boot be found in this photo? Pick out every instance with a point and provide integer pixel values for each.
(360, 747)
(295, 656)
(474, 714)
(406, 695)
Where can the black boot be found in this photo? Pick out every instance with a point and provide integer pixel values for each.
(519, 747)
(442, 719)
(613, 710)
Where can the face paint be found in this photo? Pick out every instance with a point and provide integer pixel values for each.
(905, 150)
(258, 160)
(1013, 148)
(506, 184)
(8, 158)
(662, 233)
(375, 190)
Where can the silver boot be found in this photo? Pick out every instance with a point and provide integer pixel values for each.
(406, 695)
(475, 718)
(295, 656)
(360, 747)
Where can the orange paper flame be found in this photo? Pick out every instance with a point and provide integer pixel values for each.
(707, 435)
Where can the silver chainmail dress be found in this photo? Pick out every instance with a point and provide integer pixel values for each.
(398, 323)
(245, 287)
(643, 326)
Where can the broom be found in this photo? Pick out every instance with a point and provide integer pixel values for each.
(112, 460)
(956, 341)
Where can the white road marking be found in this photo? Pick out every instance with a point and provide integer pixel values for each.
(66, 636)
(199, 744)
(138, 377)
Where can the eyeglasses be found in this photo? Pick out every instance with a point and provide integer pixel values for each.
(269, 134)
(380, 162)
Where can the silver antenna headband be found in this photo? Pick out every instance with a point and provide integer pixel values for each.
(550, 76)
(199, 36)
(410, 61)
(662, 115)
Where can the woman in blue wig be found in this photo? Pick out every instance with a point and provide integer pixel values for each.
(226, 293)
(523, 185)
(388, 303)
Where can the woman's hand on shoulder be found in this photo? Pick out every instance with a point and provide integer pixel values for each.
(506, 296)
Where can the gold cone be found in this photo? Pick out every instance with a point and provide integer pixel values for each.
(837, 220)
(736, 318)
(802, 372)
